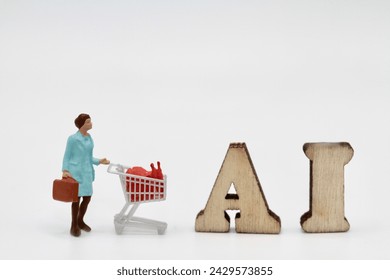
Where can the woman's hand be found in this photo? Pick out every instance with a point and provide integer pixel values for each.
(66, 174)
(104, 161)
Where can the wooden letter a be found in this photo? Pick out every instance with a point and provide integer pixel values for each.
(254, 215)
(327, 161)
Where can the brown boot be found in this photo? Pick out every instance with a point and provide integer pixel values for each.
(74, 229)
(82, 211)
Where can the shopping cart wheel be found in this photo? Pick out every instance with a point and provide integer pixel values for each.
(161, 229)
(118, 228)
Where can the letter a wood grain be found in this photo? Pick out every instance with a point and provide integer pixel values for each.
(255, 215)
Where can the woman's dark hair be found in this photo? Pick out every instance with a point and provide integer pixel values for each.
(80, 120)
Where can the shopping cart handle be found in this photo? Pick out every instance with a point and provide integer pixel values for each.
(115, 168)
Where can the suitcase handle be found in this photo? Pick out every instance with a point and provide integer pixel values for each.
(71, 179)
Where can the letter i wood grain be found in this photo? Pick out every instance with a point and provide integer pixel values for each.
(327, 161)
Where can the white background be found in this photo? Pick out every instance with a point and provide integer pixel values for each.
(177, 81)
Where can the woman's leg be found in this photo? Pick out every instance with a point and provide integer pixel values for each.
(82, 211)
(74, 229)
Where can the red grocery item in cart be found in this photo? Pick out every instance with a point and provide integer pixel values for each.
(137, 170)
(153, 173)
(142, 189)
(159, 174)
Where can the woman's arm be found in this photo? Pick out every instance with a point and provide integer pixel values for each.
(97, 161)
(67, 155)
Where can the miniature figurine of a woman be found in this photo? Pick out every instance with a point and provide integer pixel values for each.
(78, 163)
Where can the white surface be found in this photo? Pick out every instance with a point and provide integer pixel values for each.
(177, 81)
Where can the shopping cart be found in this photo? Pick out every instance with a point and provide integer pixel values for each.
(137, 190)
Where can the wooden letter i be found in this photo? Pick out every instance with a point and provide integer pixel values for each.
(327, 161)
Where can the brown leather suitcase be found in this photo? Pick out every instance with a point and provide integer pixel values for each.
(66, 190)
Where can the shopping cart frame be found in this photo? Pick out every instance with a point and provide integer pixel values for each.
(125, 218)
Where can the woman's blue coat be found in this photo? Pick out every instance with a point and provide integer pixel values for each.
(78, 160)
